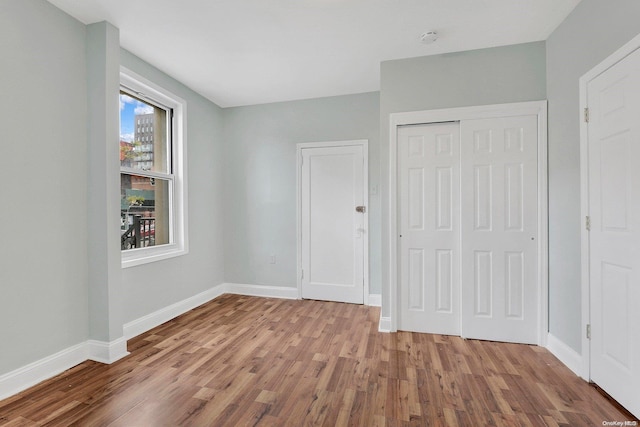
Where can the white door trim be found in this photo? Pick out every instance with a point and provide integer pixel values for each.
(610, 61)
(538, 108)
(364, 143)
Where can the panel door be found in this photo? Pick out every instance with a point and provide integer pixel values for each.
(332, 186)
(614, 209)
(429, 185)
(499, 225)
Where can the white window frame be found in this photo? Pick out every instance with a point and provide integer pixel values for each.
(179, 245)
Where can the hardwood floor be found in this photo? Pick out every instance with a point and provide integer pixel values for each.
(256, 361)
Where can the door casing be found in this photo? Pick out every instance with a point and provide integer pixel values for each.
(365, 150)
(538, 108)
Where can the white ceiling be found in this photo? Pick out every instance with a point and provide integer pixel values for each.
(243, 52)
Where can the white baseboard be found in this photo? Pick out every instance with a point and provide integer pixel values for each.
(150, 321)
(262, 291)
(375, 300)
(284, 292)
(107, 352)
(565, 354)
(385, 324)
(29, 375)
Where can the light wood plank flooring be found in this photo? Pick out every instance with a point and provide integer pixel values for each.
(240, 361)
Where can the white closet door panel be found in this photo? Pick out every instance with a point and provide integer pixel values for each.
(429, 225)
(499, 226)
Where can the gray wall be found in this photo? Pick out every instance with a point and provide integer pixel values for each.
(593, 31)
(44, 170)
(103, 85)
(479, 77)
(43, 191)
(260, 181)
(150, 287)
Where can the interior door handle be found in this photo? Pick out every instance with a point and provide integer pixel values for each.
(361, 209)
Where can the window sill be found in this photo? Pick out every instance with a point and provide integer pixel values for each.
(135, 257)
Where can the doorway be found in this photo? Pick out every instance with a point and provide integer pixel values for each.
(333, 221)
(610, 163)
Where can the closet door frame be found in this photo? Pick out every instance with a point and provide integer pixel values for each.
(537, 108)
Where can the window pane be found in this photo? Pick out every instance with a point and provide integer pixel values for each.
(143, 135)
(144, 211)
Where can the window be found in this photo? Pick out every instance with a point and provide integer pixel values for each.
(152, 172)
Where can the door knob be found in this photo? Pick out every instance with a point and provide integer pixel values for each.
(361, 209)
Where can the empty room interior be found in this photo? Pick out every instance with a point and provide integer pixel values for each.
(331, 212)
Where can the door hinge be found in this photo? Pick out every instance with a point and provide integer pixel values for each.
(587, 222)
(301, 274)
(586, 115)
(588, 331)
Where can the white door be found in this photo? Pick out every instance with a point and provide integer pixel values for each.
(332, 229)
(428, 172)
(499, 225)
(614, 210)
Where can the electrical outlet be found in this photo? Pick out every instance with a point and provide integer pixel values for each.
(272, 259)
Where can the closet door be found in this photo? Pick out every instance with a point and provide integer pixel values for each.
(499, 225)
(429, 243)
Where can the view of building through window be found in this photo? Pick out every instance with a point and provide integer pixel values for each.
(145, 173)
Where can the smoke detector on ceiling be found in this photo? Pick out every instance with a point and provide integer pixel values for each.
(429, 37)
